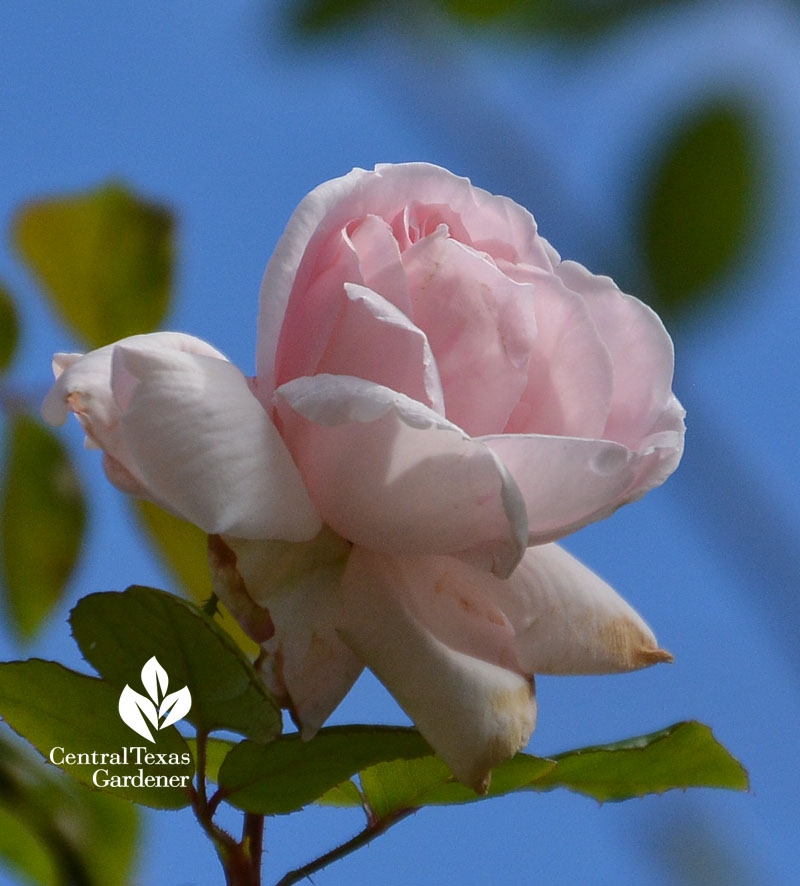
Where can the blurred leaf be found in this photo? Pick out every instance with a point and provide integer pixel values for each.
(695, 850)
(9, 329)
(289, 773)
(119, 632)
(54, 707)
(478, 11)
(55, 831)
(696, 215)
(682, 756)
(572, 19)
(316, 16)
(104, 259)
(22, 848)
(42, 521)
(182, 547)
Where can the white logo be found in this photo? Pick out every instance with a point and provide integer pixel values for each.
(132, 705)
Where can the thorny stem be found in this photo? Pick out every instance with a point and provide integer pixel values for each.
(241, 861)
(361, 839)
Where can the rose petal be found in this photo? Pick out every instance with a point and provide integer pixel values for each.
(83, 386)
(310, 319)
(480, 325)
(202, 444)
(488, 223)
(566, 482)
(294, 588)
(304, 235)
(570, 375)
(473, 713)
(496, 225)
(566, 619)
(661, 450)
(387, 472)
(641, 353)
(379, 261)
(375, 341)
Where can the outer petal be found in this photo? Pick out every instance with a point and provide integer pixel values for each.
(473, 713)
(570, 380)
(83, 386)
(641, 352)
(287, 597)
(566, 619)
(566, 482)
(304, 236)
(388, 473)
(662, 449)
(480, 325)
(202, 445)
(83, 383)
(374, 340)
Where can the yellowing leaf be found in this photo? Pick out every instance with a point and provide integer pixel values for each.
(104, 259)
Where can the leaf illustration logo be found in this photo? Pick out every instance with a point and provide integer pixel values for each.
(137, 710)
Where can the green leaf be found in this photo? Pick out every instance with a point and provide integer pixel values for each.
(698, 208)
(290, 773)
(344, 796)
(104, 259)
(182, 547)
(42, 521)
(409, 784)
(119, 632)
(9, 329)
(55, 831)
(61, 712)
(682, 756)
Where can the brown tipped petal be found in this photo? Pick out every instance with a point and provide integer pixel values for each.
(569, 621)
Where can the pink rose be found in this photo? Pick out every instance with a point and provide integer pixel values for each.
(438, 397)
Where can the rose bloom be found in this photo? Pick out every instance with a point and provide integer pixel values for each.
(438, 398)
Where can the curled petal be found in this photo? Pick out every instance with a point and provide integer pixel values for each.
(287, 597)
(661, 449)
(566, 619)
(373, 340)
(204, 447)
(83, 385)
(419, 484)
(473, 713)
(566, 482)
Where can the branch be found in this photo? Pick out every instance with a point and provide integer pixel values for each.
(366, 836)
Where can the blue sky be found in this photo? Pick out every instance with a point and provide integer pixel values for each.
(209, 107)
